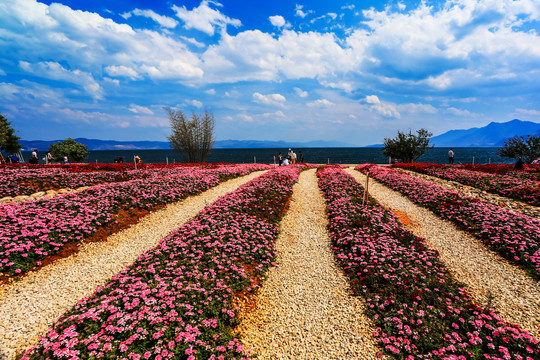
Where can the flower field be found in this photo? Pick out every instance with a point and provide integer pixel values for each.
(23, 179)
(420, 311)
(175, 301)
(514, 236)
(32, 230)
(519, 185)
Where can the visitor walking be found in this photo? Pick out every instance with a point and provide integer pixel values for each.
(293, 157)
(34, 157)
(49, 158)
(280, 159)
(301, 157)
(451, 156)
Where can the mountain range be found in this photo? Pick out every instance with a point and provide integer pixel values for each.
(492, 135)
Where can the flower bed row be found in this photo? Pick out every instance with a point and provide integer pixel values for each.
(26, 180)
(514, 236)
(175, 301)
(511, 185)
(530, 171)
(32, 230)
(420, 311)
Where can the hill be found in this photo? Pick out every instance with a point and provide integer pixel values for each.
(492, 135)
(95, 144)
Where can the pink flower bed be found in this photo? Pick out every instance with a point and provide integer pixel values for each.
(33, 230)
(175, 301)
(420, 311)
(511, 184)
(514, 236)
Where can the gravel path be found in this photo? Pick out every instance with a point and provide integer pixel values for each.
(29, 307)
(490, 279)
(304, 308)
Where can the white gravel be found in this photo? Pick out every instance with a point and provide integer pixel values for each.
(305, 309)
(490, 279)
(29, 307)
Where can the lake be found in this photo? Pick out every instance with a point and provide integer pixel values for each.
(354, 155)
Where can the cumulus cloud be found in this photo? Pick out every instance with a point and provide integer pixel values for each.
(528, 112)
(320, 103)
(204, 18)
(461, 112)
(279, 21)
(137, 109)
(211, 92)
(417, 108)
(163, 21)
(383, 109)
(270, 99)
(55, 71)
(196, 103)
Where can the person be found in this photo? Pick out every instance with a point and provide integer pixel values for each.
(34, 157)
(293, 157)
(289, 155)
(536, 161)
(138, 159)
(301, 157)
(451, 156)
(48, 158)
(14, 159)
(519, 165)
(285, 162)
(65, 159)
(280, 159)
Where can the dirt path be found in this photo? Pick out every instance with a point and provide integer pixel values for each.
(304, 308)
(29, 307)
(490, 279)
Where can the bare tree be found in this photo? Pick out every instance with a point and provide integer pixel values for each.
(193, 138)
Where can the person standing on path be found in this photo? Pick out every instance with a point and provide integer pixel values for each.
(280, 159)
(293, 157)
(301, 157)
(451, 156)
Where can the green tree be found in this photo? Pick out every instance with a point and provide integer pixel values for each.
(522, 148)
(407, 147)
(9, 142)
(193, 138)
(76, 152)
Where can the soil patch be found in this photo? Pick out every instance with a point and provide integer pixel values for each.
(405, 219)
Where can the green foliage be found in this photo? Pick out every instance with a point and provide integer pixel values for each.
(9, 142)
(76, 152)
(521, 148)
(407, 147)
(193, 138)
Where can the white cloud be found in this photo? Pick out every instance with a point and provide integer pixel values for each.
(122, 70)
(2, 72)
(528, 112)
(137, 109)
(163, 21)
(279, 21)
(55, 71)
(270, 99)
(196, 103)
(383, 109)
(204, 18)
(417, 108)
(320, 103)
(278, 114)
(461, 112)
(246, 118)
(300, 92)
(301, 13)
(211, 92)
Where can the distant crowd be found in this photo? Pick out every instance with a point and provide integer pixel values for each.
(291, 158)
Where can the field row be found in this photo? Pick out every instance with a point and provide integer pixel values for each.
(514, 236)
(519, 185)
(33, 230)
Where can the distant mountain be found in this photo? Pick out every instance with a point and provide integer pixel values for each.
(492, 135)
(95, 144)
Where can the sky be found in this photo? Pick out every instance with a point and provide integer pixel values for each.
(341, 70)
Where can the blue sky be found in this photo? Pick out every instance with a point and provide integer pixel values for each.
(350, 71)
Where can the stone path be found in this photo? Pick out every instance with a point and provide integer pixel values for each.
(490, 279)
(304, 308)
(29, 307)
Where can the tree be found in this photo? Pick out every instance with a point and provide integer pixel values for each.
(407, 147)
(76, 152)
(193, 138)
(521, 148)
(9, 142)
